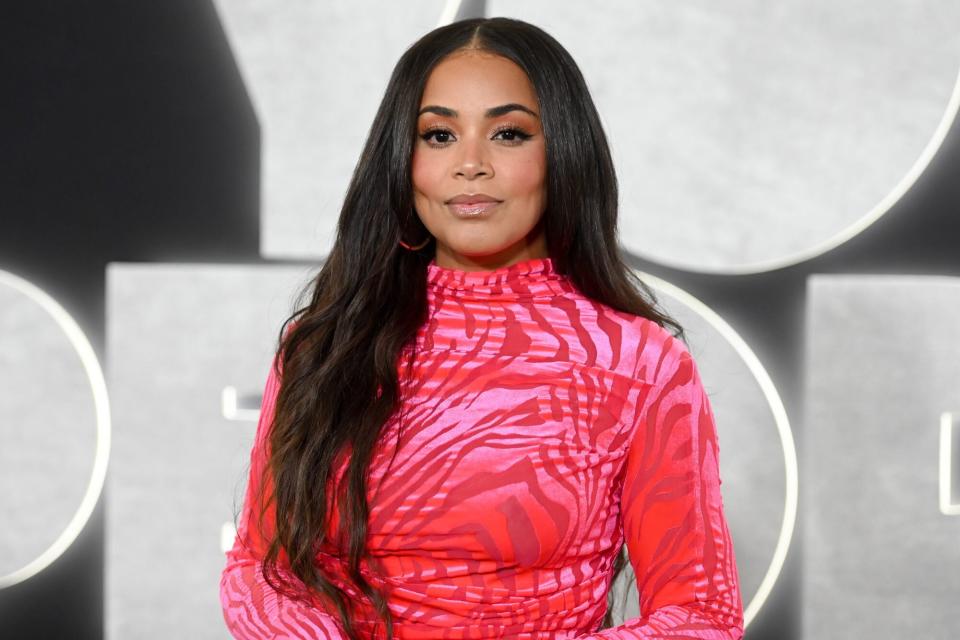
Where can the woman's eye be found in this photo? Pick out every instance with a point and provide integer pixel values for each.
(442, 137)
(513, 134)
(438, 132)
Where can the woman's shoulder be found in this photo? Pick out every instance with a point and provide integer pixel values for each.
(647, 348)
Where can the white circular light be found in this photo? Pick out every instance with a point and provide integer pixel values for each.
(98, 388)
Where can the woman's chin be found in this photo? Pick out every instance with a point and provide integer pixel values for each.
(485, 255)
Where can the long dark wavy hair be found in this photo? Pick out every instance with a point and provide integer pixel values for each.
(338, 354)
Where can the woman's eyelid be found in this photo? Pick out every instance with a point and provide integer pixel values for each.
(497, 130)
(513, 126)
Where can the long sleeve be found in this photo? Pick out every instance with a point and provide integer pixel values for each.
(672, 509)
(251, 608)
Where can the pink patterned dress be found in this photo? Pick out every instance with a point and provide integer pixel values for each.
(539, 432)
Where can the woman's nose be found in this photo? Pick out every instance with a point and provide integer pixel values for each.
(472, 161)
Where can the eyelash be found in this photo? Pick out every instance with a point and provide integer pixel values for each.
(520, 134)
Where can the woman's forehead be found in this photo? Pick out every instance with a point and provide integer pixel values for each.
(474, 82)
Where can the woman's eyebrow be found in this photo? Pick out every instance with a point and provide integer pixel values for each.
(492, 112)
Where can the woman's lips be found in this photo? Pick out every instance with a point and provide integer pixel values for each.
(473, 209)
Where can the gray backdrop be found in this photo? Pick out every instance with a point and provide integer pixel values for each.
(773, 138)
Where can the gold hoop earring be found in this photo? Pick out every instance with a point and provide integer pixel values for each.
(419, 246)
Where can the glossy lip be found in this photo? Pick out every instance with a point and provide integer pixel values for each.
(472, 210)
(472, 198)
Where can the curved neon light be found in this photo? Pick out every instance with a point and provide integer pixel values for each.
(858, 226)
(101, 401)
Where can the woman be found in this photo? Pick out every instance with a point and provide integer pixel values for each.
(478, 409)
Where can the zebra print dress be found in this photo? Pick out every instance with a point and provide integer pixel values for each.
(539, 432)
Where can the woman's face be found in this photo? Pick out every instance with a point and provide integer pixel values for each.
(479, 133)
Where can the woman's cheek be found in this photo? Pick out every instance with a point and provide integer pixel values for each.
(528, 173)
(428, 179)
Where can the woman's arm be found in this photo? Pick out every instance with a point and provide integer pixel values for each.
(251, 608)
(673, 521)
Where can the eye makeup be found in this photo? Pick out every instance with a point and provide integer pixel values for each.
(518, 134)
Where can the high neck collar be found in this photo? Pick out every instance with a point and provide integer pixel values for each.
(533, 277)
